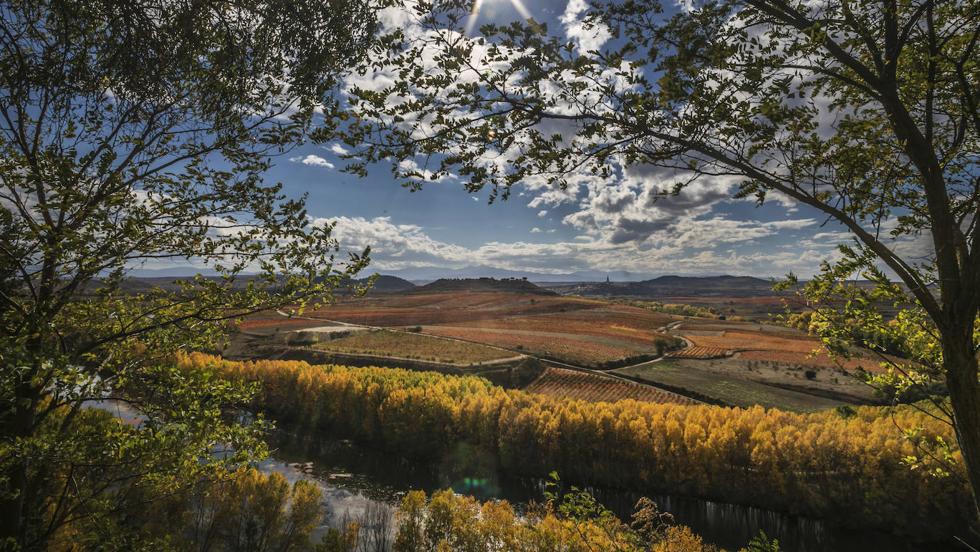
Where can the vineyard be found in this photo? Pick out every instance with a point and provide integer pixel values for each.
(700, 352)
(771, 343)
(271, 322)
(819, 360)
(614, 322)
(573, 384)
(572, 348)
(413, 346)
(730, 361)
(743, 383)
(446, 308)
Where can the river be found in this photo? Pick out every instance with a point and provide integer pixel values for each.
(353, 476)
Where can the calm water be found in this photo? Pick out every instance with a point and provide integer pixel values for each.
(353, 476)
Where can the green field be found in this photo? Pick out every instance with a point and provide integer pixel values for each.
(730, 389)
(413, 346)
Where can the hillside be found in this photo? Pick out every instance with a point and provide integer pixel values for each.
(383, 284)
(513, 285)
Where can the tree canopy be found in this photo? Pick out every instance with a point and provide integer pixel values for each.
(132, 133)
(867, 112)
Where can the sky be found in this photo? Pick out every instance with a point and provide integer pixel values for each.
(599, 227)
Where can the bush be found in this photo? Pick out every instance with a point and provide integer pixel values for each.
(301, 338)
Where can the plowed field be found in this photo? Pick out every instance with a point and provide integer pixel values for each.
(592, 387)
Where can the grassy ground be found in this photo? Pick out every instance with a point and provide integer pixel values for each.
(731, 389)
(414, 346)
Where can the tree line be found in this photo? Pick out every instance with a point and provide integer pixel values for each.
(852, 466)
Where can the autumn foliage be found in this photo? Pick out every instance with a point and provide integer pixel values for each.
(851, 467)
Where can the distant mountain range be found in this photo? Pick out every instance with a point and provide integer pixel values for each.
(479, 278)
(427, 274)
(673, 286)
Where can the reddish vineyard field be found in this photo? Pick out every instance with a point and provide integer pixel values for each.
(414, 346)
(778, 345)
(700, 352)
(822, 360)
(592, 387)
(567, 347)
(447, 308)
(750, 340)
(616, 322)
(269, 321)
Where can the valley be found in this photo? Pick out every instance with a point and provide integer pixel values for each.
(519, 334)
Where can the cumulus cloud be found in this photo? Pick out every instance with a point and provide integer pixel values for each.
(339, 149)
(313, 161)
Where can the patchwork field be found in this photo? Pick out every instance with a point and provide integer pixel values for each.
(591, 387)
(737, 383)
(766, 342)
(413, 346)
(735, 362)
(569, 348)
(411, 309)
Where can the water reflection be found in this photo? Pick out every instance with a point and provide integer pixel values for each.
(361, 483)
(354, 476)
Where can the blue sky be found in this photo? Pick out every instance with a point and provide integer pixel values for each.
(597, 227)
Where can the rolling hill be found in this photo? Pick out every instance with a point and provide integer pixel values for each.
(674, 286)
(513, 285)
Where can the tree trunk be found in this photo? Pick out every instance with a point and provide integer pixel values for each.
(960, 363)
(14, 508)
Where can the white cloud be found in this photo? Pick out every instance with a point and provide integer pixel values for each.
(313, 161)
(542, 213)
(339, 149)
(409, 168)
(400, 246)
(586, 39)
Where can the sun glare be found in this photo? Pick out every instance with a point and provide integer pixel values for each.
(477, 4)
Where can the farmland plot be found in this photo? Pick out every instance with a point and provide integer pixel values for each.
(572, 384)
(446, 308)
(743, 383)
(567, 347)
(617, 322)
(412, 346)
